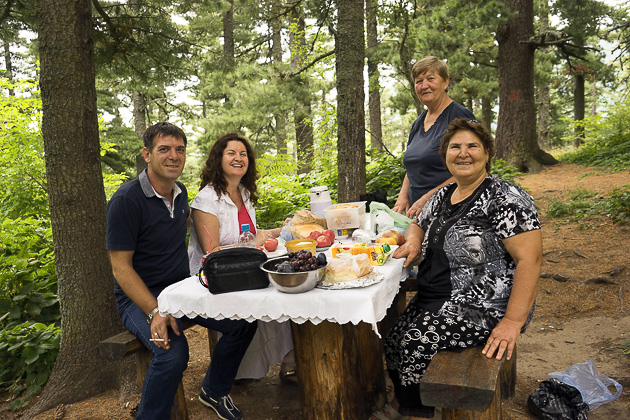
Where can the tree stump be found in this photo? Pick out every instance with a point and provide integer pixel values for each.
(340, 370)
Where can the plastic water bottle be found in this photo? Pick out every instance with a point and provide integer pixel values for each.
(246, 238)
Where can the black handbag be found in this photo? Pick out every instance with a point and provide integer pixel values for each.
(233, 270)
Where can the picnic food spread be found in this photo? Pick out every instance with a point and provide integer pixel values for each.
(347, 267)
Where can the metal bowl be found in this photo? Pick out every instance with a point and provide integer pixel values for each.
(292, 282)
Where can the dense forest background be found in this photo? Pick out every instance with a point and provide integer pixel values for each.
(276, 72)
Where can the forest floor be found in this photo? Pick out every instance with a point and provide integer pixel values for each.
(583, 313)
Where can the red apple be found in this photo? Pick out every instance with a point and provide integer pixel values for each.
(323, 241)
(330, 234)
(314, 234)
(271, 244)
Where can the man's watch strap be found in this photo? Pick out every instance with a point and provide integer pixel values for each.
(152, 314)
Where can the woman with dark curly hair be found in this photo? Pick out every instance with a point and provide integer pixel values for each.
(224, 203)
(481, 247)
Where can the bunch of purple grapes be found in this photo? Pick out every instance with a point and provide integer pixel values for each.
(301, 261)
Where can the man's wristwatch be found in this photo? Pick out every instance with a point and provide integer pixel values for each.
(152, 314)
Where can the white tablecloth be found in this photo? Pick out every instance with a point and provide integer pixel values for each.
(368, 304)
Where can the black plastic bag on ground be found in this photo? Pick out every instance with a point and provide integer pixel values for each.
(554, 400)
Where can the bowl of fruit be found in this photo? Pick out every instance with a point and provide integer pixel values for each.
(296, 272)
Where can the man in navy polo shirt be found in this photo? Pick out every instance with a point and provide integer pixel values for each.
(147, 220)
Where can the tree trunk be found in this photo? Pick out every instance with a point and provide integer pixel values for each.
(578, 109)
(486, 112)
(376, 131)
(139, 125)
(516, 127)
(302, 113)
(350, 53)
(544, 120)
(77, 202)
(228, 36)
(8, 65)
(544, 100)
(281, 116)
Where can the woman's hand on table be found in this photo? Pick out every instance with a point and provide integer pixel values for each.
(159, 330)
(502, 339)
(411, 250)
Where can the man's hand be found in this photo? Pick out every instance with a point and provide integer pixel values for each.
(159, 330)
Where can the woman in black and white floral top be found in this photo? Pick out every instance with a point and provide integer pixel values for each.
(481, 249)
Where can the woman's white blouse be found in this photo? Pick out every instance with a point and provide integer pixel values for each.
(225, 210)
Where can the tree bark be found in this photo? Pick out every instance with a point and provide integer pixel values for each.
(544, 121)
(8, 65)
(228, 36)
(486, 112)
(139, 125)
(374, 102)
(350, 54)
(516, 127)
(281, 116)
(302, 113)
(544, 101)
(578, 109)
(77, 202)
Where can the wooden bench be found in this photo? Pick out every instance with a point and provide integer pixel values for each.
(121, 345)
(467, 385)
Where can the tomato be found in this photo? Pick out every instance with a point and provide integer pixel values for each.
(323, 241)
(271, 244)
(314, 234)
(330, 234)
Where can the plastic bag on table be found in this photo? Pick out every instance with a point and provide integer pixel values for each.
(399, 220)
(592, 384)
(554, 400)
(285, 233)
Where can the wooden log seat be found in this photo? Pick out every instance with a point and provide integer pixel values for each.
(121, 345)
(467, 385)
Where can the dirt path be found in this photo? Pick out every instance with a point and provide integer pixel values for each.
(583, 313)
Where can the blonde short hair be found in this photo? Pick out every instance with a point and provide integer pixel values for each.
(429, 63)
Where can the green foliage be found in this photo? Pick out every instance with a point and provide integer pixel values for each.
(504, 171)
(28, 352)
(607, 140)
(583, 203)
(23, 180)
(28, 282)
(386, 172)
(625, 348)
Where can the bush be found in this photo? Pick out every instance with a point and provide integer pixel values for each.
(28, 351)
(607, 141)
(583, 203)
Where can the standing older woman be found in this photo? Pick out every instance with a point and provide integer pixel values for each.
(482, 246)
(426, 172)
(224, 203)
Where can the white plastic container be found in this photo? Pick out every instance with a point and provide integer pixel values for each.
(345, 215)
(320, 200)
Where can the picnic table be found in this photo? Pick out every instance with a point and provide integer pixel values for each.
(335, 335)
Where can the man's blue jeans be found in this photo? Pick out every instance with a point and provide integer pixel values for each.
(167, 367)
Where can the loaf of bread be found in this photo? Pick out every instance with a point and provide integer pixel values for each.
(347, 268)
(303, 217)
(303, 230)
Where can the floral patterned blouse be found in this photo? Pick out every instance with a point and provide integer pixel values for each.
(466, 270)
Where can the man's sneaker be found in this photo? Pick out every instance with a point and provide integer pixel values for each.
(223, 406)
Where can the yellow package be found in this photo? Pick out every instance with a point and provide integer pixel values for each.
(377, 253)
